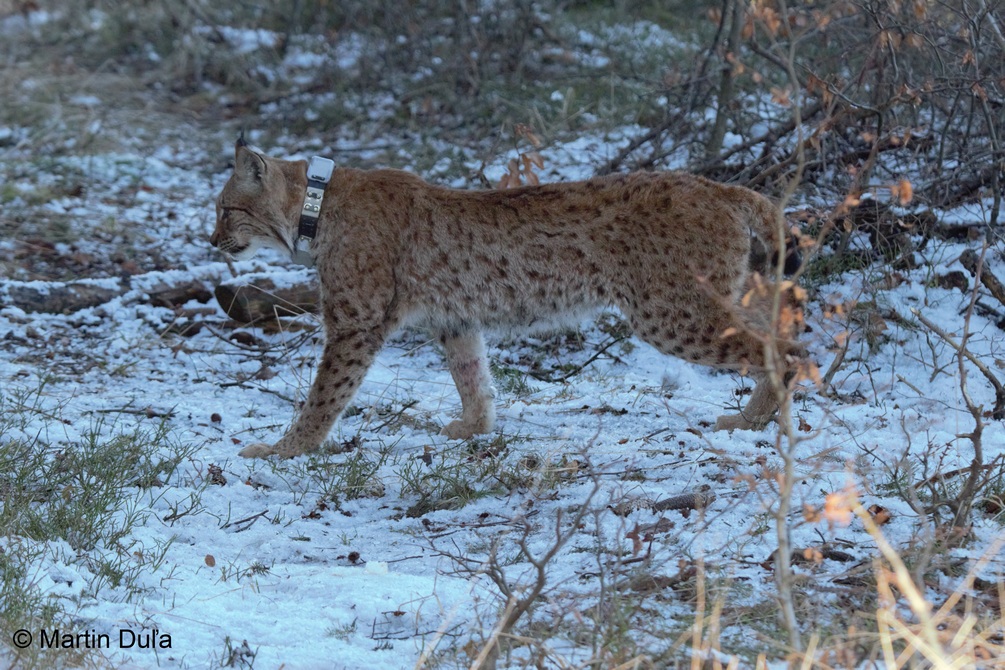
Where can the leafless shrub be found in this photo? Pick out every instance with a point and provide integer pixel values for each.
(521, 594)
(891, 88)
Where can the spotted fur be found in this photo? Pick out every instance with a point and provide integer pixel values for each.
(668, 249)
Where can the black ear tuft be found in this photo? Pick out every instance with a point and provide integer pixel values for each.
(248, 166)
(240, 140)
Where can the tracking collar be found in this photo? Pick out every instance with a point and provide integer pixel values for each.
(319, 173)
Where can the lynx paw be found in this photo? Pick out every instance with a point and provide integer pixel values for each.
(741, 422)
(256, 450)
(463, 430)
(262, 450)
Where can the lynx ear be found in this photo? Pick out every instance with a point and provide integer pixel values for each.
(248, 166)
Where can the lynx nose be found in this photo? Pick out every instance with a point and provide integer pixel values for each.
(214, 239)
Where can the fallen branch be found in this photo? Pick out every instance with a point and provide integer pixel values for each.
(148, 412)
(59, 298)
(685, 501)
(943, 476)
(975, 265)
(68, 297)
(264, 300)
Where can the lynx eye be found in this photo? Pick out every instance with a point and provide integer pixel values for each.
(226, 213)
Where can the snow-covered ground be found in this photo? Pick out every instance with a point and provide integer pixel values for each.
(307, 567)
(270, 555)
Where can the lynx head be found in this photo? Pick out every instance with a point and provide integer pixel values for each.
(260, 204)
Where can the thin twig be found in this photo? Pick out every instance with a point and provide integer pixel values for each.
(999, 409)
(540, 376)
(246, 385)
(248, 520)
(148, 412)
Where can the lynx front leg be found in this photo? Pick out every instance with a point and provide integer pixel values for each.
(470, 370)
(346, 358)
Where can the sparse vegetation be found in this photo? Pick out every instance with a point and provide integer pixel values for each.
(78, 504)
(870, 522)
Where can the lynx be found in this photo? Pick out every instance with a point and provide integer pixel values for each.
(669, 250)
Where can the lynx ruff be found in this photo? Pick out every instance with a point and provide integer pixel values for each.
(669, 250)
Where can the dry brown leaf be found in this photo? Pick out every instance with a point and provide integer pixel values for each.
(838, 507)
(880, 515)
(216, 475)
(636, 539)
(780, 97)
(902, 191)
(813, 554)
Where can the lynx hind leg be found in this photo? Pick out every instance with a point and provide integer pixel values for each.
(763, 402)
(470, 369)
(716, 335)
(747, 352)
(758, 413)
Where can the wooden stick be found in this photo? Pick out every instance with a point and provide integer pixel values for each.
(975, 264)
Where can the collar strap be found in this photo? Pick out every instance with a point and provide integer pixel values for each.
(319, 173)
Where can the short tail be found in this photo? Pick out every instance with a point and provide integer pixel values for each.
(763, 217)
